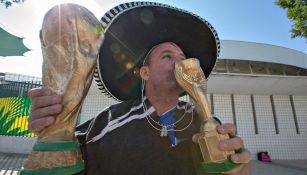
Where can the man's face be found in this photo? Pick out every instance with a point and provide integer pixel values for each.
(162, 64)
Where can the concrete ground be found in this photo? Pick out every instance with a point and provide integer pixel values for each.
(10, 164)
(279, 167)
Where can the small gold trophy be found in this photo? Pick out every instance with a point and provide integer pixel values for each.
(191, 78)
(71, 37)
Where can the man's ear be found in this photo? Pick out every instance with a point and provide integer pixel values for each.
(144, 72)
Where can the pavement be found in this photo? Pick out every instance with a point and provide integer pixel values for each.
(279, 167)
(11, 163)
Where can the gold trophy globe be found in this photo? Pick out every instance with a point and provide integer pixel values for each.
(70, 37)
(191, 78)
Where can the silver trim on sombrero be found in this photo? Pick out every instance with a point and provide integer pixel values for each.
(112, 14)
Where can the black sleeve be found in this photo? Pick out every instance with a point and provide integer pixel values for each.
(80, 133)
(85, 130)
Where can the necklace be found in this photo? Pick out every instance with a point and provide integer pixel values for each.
(163, 131)
(164, 128)
(167, 126)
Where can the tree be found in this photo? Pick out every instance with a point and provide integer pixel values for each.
(8, 3)
(297, 13)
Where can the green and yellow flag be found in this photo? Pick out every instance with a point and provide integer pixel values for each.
(14, 113)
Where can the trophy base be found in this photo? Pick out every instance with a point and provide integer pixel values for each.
(62, 158)
(55, 171)
(219, 167)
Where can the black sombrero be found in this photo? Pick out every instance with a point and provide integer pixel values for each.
(132, 29)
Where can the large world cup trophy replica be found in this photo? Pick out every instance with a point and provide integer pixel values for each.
(191, 78)
(71, 37)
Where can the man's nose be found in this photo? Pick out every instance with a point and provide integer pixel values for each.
(173, 66)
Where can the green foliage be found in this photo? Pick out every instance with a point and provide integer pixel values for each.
(9, 3)
(297, 13)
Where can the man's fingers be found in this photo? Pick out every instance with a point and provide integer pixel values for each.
(227, 128)
(46, 111)
(44, 107)
(44, 101)
(231, 144)
(37, 92)
(243, 157)
(39, 124)
(222, 129)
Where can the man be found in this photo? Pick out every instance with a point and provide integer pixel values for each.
(126, 138)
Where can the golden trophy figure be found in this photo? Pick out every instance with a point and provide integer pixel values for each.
(71, 37)
(191, 78)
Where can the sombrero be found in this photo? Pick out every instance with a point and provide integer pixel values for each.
(132, 29)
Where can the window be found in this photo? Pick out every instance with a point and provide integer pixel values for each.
(221, 66)
(259, 67)
(302, 72)
(276, 69)
(239, 66)
(291, 70)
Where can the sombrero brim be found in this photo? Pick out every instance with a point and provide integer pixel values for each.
(132, 29)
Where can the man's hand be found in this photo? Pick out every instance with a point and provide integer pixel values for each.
(232, 144)
(45, 107)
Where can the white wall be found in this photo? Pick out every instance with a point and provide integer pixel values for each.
(16, 144)
(222, 107)
(285, 145)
